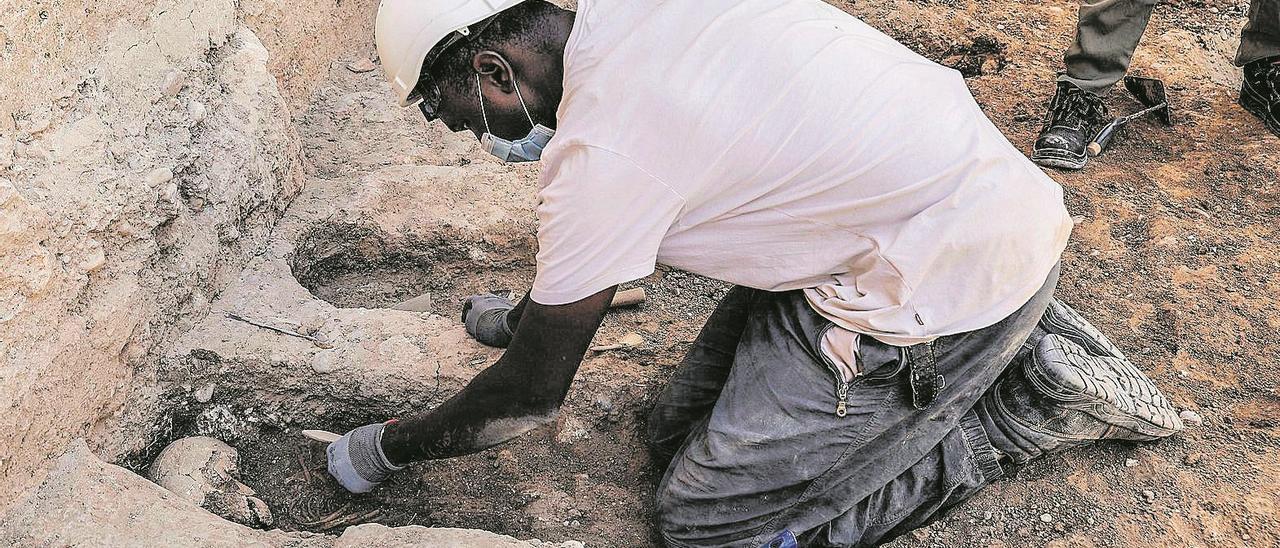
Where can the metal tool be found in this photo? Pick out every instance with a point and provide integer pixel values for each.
(1148, 91)
(322, 436)
(318, 341)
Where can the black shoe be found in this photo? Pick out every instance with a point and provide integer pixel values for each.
(1073, 388)
(1073, 120)
(1260, 93)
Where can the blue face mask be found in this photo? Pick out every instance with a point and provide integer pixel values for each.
(528, 149)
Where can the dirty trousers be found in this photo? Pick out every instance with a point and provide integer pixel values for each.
(1108, 32)
(760, 445)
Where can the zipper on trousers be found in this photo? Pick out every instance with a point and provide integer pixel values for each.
(843, 392)
(842, 386)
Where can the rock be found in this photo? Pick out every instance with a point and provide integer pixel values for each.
(87, 502)
(373, 535)
(205, 472)
(1046, 518)
(1191, 418)
(1148, 495)
(1130, 463)
(361, 66)
(326, 361)
(205, 393)
(196, 111)
(1193, 459)
(173, 83)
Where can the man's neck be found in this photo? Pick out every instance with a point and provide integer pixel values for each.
(560, 26)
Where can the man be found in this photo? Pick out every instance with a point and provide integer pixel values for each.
(1107, 34)
(893, 253)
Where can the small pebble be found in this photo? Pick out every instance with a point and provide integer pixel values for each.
(1130, 463)
(1149, 495)
(1191, 418)
(1193, 458)
(1046, 518)
(361, 66)
(575, 523)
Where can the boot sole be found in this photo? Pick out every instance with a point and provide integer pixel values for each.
(1107, 388)
(1256, 104)
(1060, 162)
(1061, 319)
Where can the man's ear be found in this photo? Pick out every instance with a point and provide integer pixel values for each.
(494, 69)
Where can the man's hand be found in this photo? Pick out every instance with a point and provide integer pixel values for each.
(520, 392)
(486, 319)
(356, 460)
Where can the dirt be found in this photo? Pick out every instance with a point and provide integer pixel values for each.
(588, 478)
(1173, 257)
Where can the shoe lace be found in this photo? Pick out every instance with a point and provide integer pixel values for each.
(1272, 77)
(1076, 108)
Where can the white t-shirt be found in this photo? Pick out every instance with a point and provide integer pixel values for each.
(784, 144)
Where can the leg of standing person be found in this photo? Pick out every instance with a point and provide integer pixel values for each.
(1259, 52)
(1107, 34)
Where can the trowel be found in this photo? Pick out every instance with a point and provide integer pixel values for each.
(1148, 91)
(322, 436)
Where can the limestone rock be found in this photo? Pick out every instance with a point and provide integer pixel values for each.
(205, 472)
(372, 535)
(87, 502)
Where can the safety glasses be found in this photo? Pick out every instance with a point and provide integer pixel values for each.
(429, 94)
(429, 101)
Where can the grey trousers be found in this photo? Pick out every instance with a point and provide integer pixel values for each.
(767, 444)
(1108, 31)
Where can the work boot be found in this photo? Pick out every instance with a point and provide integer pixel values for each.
(1073, 120)
(1260, 93)
(1073, 387)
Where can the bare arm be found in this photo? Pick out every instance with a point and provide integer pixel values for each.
(522, 391)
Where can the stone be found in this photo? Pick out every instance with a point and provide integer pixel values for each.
(87, 502)
(1046, 518)
(205, 393)
(1130, 463)
(1193, 458)
(173, 83)
(1191, 418)
(196, 111)
(205, 472)
(373, 535)
(361, 66)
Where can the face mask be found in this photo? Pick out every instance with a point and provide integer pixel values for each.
(528, 149)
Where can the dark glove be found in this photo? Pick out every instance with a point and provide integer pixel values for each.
(486, 319)
(356, 460)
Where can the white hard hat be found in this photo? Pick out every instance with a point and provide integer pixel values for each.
(407, 30)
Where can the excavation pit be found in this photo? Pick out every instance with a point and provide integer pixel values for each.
(361, 266)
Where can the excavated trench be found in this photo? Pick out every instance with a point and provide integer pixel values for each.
(357, 241)
(361, 266)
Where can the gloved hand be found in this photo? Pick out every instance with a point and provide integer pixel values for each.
(356, 460)
(486, 319)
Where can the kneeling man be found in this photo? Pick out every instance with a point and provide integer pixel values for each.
(892, 344)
